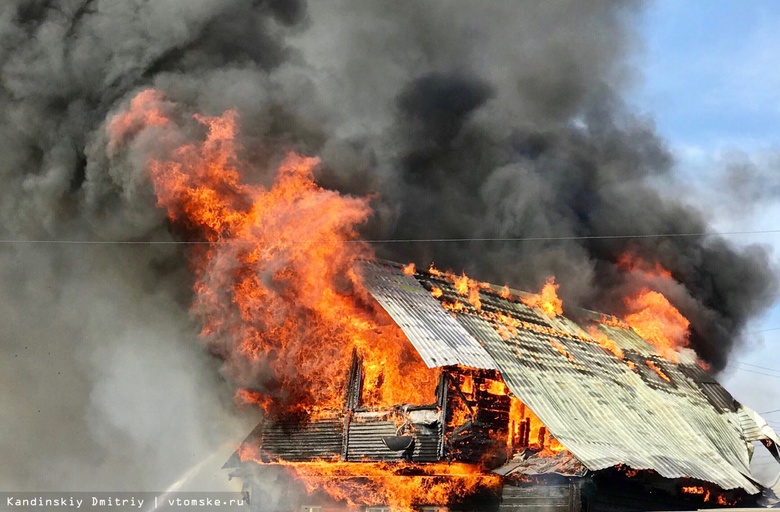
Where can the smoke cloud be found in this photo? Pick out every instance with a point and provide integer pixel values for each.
(461, 119)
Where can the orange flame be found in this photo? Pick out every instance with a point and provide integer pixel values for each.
(605, 341)
(658, 371)
(277, 288)
(463, 284)
(409, 269)
(632, 263)
(547, 300)
(705, 493)
(455, 307)
(279, 281)
(651, 314)
(400, 485)
(526, 429)
(496, 387)
(654, 318)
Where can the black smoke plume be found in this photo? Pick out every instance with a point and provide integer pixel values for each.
(501, 119)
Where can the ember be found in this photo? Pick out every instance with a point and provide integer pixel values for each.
(705, 493)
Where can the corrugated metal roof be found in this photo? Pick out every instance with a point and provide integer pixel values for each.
(599, 408)
(437, 336)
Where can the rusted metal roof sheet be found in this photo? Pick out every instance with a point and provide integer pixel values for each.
(643, 411)
(437, 336)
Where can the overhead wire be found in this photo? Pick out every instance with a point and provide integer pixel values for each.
(414, 240)
(765, 330)
(438, 240)
(757, 366)
(758, 373)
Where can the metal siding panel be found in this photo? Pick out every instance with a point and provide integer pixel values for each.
(426, 448)
(364, 441)
(316, 440)
(439, 339)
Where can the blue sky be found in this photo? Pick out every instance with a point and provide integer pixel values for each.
(710, 71)
(710, 77)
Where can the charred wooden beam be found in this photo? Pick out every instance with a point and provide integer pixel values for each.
(354, 383)
(442, 397)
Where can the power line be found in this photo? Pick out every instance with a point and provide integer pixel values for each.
(758, 373)
(770, 412)
(586, 237)
(412, 240)
(765, 330)
(110, 242)
(756, 366)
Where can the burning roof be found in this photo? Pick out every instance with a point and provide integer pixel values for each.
(427, 375)
(639, 410)
(525, 396)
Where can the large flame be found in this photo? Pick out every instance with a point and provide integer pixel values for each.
(399, 485)
(279, 295)
(655, 319)
(650, 313)
(276, 288)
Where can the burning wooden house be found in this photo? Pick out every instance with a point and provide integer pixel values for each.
(530, 410)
